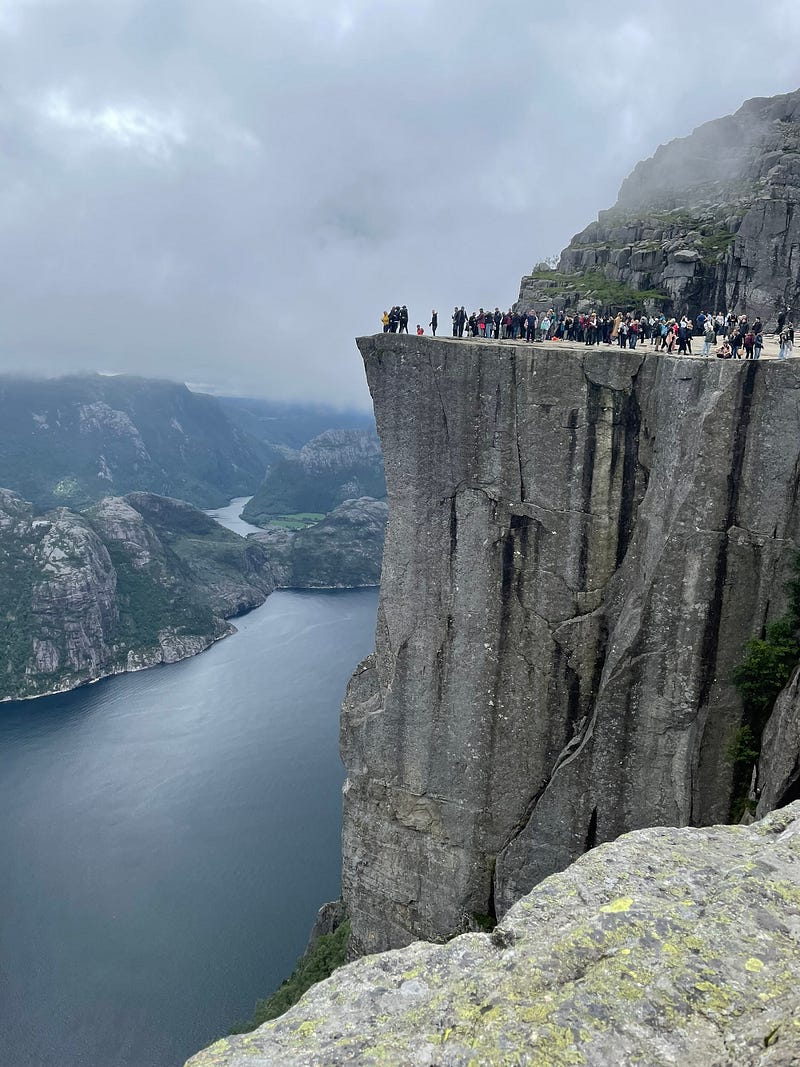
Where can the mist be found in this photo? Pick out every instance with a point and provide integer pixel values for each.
(229, 194)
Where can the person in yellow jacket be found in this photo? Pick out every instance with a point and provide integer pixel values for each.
(385, 321)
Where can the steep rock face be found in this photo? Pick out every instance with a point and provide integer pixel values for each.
(667, 947)
(343, 551)
(132, 582)
(778, 777)
(712, 221)
(337, 465)
(579, 544)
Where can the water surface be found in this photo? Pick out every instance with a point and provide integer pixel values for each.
(166, 838)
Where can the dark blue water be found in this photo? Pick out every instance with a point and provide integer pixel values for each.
(166, 838)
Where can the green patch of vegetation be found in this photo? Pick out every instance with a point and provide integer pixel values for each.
(301, 520)
(715, 242)
(483, 923)
(17, 579)
(606, 292)
(149, 601)
(766, 666)
(325, 956)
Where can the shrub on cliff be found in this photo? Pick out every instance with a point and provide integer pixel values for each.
(322, 959)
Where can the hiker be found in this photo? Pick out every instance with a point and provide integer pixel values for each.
(434, 322)
(420, 330)
(709, 337)
(786, 341)
(385, 321)
(404, 319)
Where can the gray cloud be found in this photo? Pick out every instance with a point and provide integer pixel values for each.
(228, 193)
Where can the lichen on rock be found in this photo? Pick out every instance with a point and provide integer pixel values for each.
(666, 947)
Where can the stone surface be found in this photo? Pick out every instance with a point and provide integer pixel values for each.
(711, 220)
(132, 582)
(579, 545)
(335, 466)
(343, 551)
(668, 947)
(778, 778)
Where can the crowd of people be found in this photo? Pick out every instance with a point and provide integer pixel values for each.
(729, 335)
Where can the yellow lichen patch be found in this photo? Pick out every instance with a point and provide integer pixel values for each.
(754, 964)
(622, 904)
(308, 1027)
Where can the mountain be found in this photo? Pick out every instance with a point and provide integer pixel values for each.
(335, 466)
(71, 441)
(292, 425)
(131, 582)
(710, 222)
(343, 551)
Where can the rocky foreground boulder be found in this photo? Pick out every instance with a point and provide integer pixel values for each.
(667, 947)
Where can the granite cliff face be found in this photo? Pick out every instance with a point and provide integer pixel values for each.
(711, 221)
(132, 582)
(667, 947)
(579, 544)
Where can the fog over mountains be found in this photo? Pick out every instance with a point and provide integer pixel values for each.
(229, 199)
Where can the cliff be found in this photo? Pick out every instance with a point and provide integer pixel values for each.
(667, 947)
(710, 222)
(132, 582)
(579, 544)
(342, 551)
(335, 466)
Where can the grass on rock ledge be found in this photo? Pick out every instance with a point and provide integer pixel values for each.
(323, 958)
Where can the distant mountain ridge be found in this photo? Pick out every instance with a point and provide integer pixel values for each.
(70, 441)
(335, 466)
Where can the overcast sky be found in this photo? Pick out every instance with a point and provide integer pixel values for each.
(228, 191)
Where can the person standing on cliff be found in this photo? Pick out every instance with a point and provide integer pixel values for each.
(434, 322)
(385, 321)
(709, 337)
(462, 320)
(404, 319)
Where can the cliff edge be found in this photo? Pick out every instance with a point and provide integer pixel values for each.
(667, 947)
(579, 544)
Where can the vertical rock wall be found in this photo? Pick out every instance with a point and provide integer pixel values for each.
(579, 543)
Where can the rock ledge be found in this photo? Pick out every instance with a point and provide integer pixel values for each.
(669, 946)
